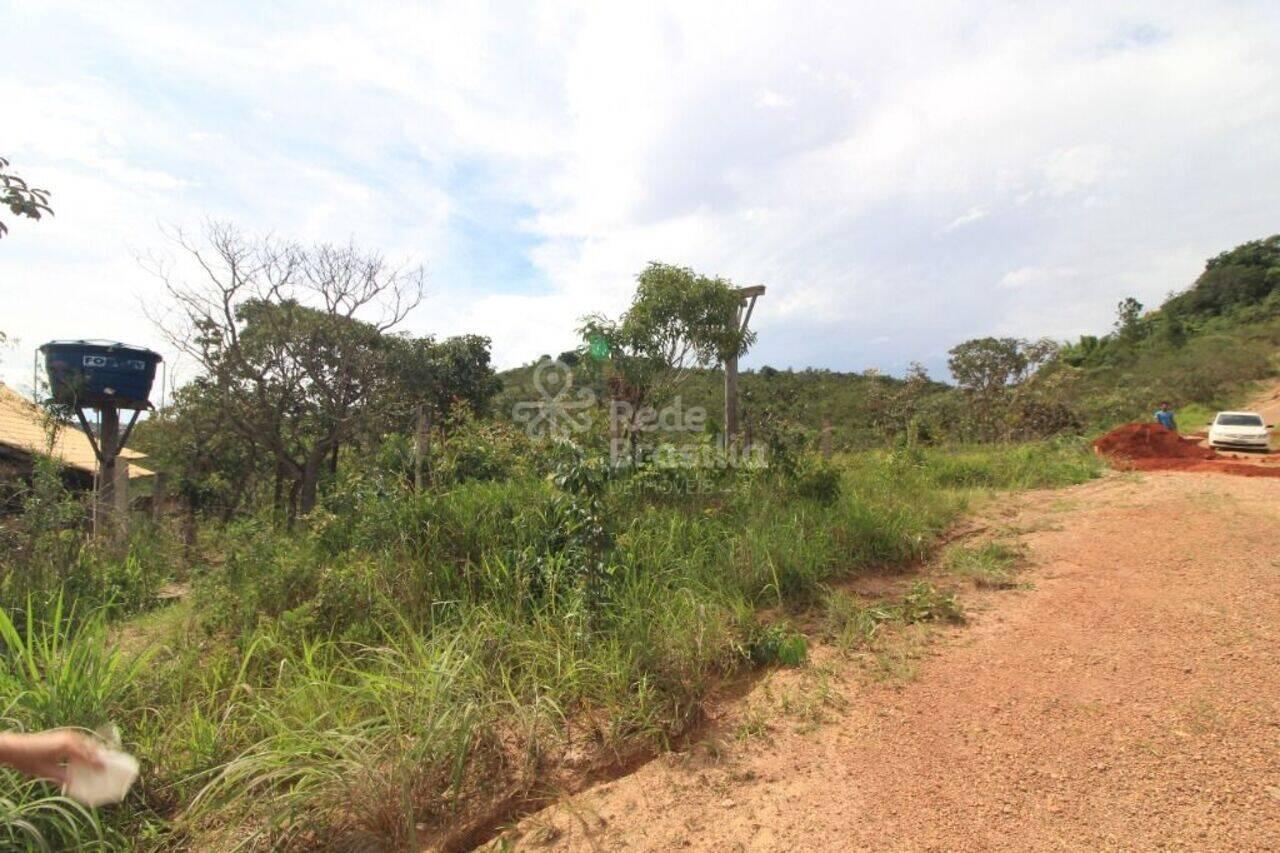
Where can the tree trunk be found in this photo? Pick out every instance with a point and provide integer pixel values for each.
(310, 481)
(291, 507)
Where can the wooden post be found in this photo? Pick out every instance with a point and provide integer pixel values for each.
(120, 500)
(731, 399)
(159, 495)
(748, 295)
(824, 440)
(421, 446)
(108, 447)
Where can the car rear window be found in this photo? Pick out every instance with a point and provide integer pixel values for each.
(1239, 420)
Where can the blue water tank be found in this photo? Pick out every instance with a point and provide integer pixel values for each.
(98, 373)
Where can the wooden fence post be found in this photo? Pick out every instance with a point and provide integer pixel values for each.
(159, 495)
(421, 448)
(120, 500)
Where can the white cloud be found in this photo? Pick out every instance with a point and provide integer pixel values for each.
(772, 100)
(1074, 155)
(971, 215)
(1080, 167)
(1035, 276)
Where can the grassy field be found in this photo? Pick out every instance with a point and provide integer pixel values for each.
(406, 669)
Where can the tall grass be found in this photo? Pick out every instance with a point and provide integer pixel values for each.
(31, 818)
(47, 559)
(57, 671)
(405, 667)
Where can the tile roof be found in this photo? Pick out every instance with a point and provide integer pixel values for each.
(22, 426)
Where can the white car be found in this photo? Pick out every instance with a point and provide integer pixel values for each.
(1240, 430)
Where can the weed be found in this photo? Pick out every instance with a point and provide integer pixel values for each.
(926, 603)
(754, 723)
(851, 624)
(895, 663)
(992, 564)
(894, 654)
(779, 643)
(809, 702)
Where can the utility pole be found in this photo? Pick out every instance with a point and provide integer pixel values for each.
(421, 446)
(748, 297)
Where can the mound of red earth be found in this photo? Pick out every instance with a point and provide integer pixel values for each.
(1150, 441)
(1151, 447)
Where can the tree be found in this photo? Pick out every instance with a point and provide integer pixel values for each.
(274, 327)
(20, 198)
(1129, 326)
(440, 375)
(896, 408)
(987, 368)
(213, 466)
(1173, 330)
(1242, 277)
(678, 320)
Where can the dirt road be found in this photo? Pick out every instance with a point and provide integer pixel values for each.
(1127, 698)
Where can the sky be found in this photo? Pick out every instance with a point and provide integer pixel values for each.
(901, 176)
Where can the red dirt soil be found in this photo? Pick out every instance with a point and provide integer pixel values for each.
(1239, 469)
(1151, 447)
(1150, 441)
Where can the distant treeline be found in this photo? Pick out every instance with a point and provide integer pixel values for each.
(1199, 347)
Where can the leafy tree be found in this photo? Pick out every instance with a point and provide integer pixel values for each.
(212, 465)
(1129, 327)
(898, 408)
(274, 328)
(1173, 331)
(21, 198)
(441, 375)
(678, 321)
(987, 368)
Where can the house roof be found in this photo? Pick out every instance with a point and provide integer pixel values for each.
(23, 427)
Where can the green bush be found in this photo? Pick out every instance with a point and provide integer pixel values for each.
(779, 643)
(818, 480)
(926, 603)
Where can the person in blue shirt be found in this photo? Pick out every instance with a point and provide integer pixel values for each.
(1164, 416)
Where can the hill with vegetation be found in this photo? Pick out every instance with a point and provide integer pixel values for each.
(1199, 350)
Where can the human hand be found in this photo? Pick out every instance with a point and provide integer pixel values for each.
(45, 755)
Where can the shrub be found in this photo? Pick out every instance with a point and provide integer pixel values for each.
(779, 643)
(926, 603)
(818, 480)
